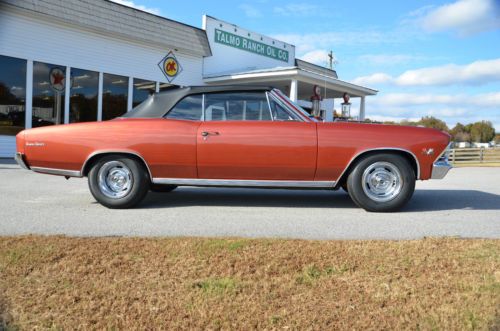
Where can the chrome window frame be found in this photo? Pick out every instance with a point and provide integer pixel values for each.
(292, 105)
(289, 110)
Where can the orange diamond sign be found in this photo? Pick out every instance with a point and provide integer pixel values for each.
(170, 66)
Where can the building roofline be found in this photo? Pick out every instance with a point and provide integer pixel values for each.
(288, 73)
(151, 32)
(321, 69)
(159, 16)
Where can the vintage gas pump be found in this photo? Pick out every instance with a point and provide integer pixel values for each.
(346, 106)
(316, 102)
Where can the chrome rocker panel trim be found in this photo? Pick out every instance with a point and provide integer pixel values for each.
(440, 169)
(59, 172)
(19, 157)
(243, 183)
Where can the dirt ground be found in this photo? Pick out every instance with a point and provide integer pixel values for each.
(191, 283)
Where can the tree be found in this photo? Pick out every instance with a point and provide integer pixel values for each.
(432, 122)
(459, 133)
(482, 131)
(407, 122)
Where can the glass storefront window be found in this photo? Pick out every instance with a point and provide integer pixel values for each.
(83, 101)
(48, 94)
(114, 96)
(12, 95)
(142, 89)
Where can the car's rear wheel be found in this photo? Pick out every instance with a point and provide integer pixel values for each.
(381, 182)
(162, 188)
(118, 181)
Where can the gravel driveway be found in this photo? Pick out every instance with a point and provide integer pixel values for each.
(466, 203)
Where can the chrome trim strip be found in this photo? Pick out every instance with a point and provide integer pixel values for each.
(269, 106)
(290, 104)
(440, 169)
(202, 107)
(447, 149)
(243, 182)
(60, 172)
(381, 149)
(19, 157)
(115, 151)
(289, 109)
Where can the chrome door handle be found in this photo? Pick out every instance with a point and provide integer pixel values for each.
(207, 133)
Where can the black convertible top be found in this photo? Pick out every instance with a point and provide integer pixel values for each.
(158, 104)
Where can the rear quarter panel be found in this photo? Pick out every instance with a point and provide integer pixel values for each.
(340, 142)
(167, 146)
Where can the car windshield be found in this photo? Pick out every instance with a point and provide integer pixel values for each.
(295, 106)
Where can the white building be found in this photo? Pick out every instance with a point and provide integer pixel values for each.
(90, 60)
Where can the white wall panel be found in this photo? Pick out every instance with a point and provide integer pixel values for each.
(34, 38)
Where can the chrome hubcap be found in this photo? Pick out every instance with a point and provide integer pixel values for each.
(115, 179)
(382, 181)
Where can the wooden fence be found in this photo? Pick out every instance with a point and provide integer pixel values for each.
(474, 155)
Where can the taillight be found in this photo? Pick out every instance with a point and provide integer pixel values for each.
(20, 141)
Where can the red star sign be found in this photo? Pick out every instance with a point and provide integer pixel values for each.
(58, 78)
(171, 66)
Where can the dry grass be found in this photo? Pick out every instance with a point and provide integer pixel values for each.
(129, 283)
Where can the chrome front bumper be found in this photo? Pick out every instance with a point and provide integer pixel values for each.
(440, 169)
(19, 157)
(441, 166)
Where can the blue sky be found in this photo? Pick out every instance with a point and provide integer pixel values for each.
(439, 58)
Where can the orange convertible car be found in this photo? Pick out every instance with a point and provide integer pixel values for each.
(235, 136)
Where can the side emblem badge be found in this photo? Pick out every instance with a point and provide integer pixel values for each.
(428, 151)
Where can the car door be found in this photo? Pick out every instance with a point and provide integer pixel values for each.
(173, 152)
(242, 138)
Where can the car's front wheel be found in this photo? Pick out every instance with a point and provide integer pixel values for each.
(381, 182)
(118, 181)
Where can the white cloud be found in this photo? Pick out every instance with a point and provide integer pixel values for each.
(250, 11)
(18, 91)
(388, 59)
(132, 4)
(463, 16)
(484, 100)
(319, 57)
(475, 73)
(464, 108)
(374, 79)
(296, 9)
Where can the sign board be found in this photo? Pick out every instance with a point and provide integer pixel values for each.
(57, 78)
(249, 45)
(170, 66)
(238, 50)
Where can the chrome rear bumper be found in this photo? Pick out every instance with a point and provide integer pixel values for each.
(440, 169)
(19, 157)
